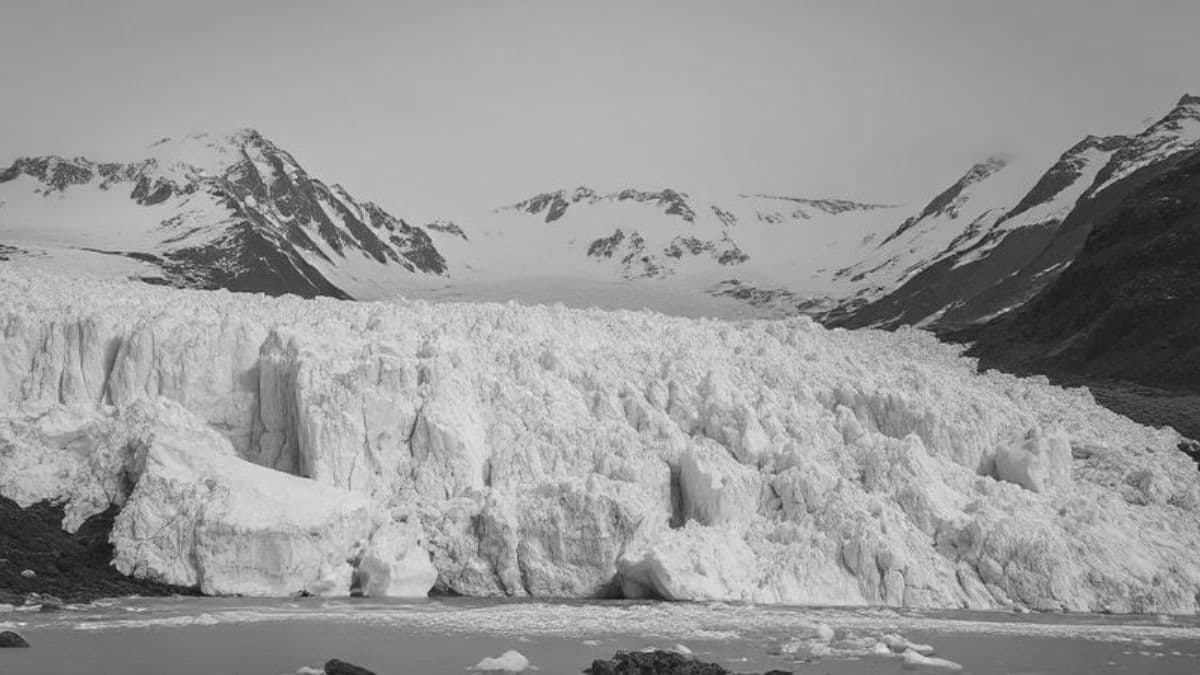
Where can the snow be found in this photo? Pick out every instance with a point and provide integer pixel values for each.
(1089, 163)
(975, 210)
(275, 445)
(1178, 132)
(511, 661)
(791, 243)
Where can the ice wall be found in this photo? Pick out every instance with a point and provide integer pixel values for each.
(556, 452)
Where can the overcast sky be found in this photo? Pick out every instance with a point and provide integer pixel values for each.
(442, 107)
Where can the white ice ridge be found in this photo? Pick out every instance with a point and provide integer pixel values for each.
(554, 452)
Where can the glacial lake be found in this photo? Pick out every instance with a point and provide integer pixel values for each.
(188, 636)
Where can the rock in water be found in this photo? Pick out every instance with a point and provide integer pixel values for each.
(11, 639)
(339, 667)
(658, 663)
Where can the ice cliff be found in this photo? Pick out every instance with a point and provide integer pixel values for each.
(274, 445)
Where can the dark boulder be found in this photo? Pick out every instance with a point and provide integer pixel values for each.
(338, 667)
(11, 639)
(658, 663)
(68, 567)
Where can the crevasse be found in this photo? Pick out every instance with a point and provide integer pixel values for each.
(275, 445)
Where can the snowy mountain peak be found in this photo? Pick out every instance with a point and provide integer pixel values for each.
(226, 210)
(214, 154)
(1093, 142)
(1177, 131)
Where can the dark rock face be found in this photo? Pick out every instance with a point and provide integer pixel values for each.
(1065, 171)
(604, 247)
(448, 227)
(1128, 307)
(11, 639)
(1005, 267)
(555, 204)
(68, 567)
(338, 667)
(658, 663)
(56, 173)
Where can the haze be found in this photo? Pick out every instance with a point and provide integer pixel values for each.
(444, 107)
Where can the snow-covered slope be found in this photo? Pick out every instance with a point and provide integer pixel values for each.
(773, 252)
(238, 212)
(558, 452)
(230, 211)
(1027, 236)
(1177, 132)
(944, 267)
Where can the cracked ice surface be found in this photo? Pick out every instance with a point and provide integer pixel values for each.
(554, 452)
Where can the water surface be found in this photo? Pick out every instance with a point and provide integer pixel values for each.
(210, 636)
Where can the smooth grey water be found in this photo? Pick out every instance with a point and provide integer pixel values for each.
(253, 637)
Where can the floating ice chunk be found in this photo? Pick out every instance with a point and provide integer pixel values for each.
(824, 632)
(919, 662)
(511, 661)
(819, 649)
(899, 644)
(309, 670)
(881, 649)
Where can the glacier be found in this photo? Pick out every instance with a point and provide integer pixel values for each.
(270, 446)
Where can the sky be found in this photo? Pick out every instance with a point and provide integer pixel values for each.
(444, 107)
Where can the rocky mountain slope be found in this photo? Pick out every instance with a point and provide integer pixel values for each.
(990, 268)
(209, 211)
(268, 446)
(1128, 307)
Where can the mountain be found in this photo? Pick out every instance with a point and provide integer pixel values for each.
(675, 250)
(1128, 307)
(235, 211)
(214, 211)
(988, 272)
(969, 279)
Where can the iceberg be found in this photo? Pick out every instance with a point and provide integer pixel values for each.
(269, 446)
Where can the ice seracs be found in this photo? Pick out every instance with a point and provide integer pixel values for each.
(272, 445)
